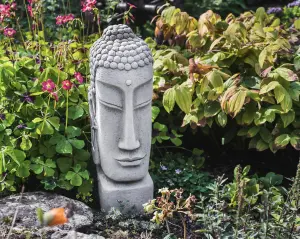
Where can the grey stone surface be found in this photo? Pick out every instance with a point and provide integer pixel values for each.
(71, 235)
(127, 197)
(120, 97)
(26, 216)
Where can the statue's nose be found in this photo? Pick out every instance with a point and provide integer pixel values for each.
(128, 140)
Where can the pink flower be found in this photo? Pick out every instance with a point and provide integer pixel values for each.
(48, 85)
(9, 32)
(67, 85)
(131, 5)
(29, 8)
(68, 18)
(55, 96)
(86, 8)
(88, 5)
(78, 77)
(59, 20)
(30, 2)
(5, 10)
(13, 6)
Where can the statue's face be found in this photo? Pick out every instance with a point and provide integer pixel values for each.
(123, 115)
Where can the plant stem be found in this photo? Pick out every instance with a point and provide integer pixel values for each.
(67, 112)
(168, 228)
(16, 213)
(184, 226)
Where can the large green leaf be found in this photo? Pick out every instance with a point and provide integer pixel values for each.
(286, 74)
(64, 147)
(287, 118)
(183, 98)
(64, 164)
(211, 108)
(169, 99)
(282, 140)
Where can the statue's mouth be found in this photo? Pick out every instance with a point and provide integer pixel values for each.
(131, 161)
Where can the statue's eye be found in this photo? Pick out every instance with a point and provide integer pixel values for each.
(143, 104)
(111, 105)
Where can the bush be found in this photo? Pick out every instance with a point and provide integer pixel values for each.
(247, 207)
(239, 68)
(44, 122)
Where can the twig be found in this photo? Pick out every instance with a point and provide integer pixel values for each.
(16, 213)
(168, 228)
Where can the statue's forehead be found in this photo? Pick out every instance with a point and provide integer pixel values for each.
(121, 79)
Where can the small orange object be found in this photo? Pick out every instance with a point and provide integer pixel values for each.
(59, 216)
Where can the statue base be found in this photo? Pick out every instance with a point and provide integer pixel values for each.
(128, 197)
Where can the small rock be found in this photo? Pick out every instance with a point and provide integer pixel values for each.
(27, 218)
(71, 235)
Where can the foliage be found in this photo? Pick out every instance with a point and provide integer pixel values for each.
(44, 125)
(174, 170)
(247, 207)
(255, 209)
(171, 202)
(239, 68)
(195, 8)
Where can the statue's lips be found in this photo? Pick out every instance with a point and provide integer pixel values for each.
(131, 161)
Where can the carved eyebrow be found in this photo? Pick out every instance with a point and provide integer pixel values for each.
(111, 105)
(143, 104)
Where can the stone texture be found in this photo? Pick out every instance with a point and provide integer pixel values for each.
(127, 197)
(27, 219)
(120, 97)
(71, 235)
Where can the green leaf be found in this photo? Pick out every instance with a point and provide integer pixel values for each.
(40, 215)
(176, 141)
(222, 119)
(216, 80)
(286, 74)
(64, 147)
(23, 169)
(237, 101)
(9, 120)
(183, 98)
(253, 131)
(269, 87)
(211, 108)
(84, 174)
(287, 118)
(155, 112)
(265, 134)
(25, 144)
(64, 164)
(169, 99)
(73, 132)
(75, 112)
(86, 187)
(74, 178)
(262, 145)
(54, 121)
(45, 128)
(297, 24)
(282, 140)
(78, 144)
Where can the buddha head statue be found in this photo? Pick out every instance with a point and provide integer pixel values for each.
(120, 98)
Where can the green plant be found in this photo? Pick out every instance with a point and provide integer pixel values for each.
(44, 122)
(175, 170)
(239, 68)
(170, 203)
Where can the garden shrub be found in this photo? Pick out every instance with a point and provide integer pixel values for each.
(246, 207)
(44, 122)
(176, 170)
(239, 69)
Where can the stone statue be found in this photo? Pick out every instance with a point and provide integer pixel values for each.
(120, 97)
